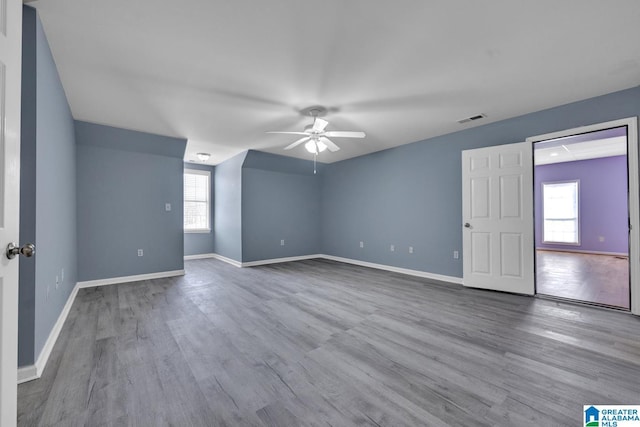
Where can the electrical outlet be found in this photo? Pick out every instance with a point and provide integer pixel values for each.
(57, 282)
(282, 242)
(601, 238)
(167, 207)
(410, 249)
(392, 248)
(362, 244)
(456, 255)
(140, 252)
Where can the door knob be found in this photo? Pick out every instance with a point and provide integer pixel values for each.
(28, 249)
(466, 224)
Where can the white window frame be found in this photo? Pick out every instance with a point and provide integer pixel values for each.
(208, 175)
(577, 219)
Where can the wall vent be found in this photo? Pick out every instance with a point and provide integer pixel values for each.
(472, 118)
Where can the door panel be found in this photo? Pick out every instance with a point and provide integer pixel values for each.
(497, 209)
(511, 252)
(481, 243)
(511, 197)
(480, 198)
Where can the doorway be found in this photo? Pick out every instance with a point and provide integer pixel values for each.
(583, 212)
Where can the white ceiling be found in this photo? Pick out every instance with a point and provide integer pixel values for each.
(221, 73)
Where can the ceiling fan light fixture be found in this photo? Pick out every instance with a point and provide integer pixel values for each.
(315, 146)
(311, 147)
(203, 157)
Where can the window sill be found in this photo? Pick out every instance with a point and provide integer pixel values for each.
(201, 231)
(561, 243)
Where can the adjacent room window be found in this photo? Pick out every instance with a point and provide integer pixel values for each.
(197, 199)
(560, 212)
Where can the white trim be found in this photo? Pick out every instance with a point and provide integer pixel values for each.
(279, 260)
(199, 256)
(187, 169)
(634, 193)
(227, 260)
(409, 272)
(32, 372)
(127, 279)
(634, 213)
(581, 251)
(27, 373)
(207, 173)
(576, 219)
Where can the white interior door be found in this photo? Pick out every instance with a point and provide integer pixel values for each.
(497, 210)
(10, 88)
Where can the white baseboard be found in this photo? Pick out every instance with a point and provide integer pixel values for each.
(417, 273)
(279, 260)
(227, 260)
(199, 256)
(27, 373)
(32, 372)
(127, 279)
(407, 271)
(580, 251)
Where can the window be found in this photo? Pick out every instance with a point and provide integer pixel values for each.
(560, 207)
(197, 194)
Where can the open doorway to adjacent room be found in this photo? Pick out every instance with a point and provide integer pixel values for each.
(581, 204)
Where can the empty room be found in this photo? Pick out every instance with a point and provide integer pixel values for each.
(295, 213)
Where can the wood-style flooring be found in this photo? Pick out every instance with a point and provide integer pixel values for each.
(599, 279)
(320, 343)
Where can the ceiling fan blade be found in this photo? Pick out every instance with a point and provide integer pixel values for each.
(288, 133)
(329, 143)
(345, 134)
(319, 124)
(298, 142)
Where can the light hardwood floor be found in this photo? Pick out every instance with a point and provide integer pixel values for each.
(324, 343)
(600, 279)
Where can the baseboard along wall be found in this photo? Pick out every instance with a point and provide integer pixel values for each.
(407, 271)
(33, 372)
(580, 251)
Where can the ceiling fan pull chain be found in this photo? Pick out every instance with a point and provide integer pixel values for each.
(315, 156)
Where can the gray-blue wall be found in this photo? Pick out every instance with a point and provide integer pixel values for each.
(124, 180)
(201, 243)
(48, 212)
(227, 232)
(281, 199)
(412, 195)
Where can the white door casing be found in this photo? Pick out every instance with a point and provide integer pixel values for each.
(10, 91)
(497, 210)
(634, 193)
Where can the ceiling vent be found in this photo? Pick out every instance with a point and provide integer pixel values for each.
(472, 118)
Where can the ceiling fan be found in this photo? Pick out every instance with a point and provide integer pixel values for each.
(315, 135)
